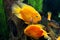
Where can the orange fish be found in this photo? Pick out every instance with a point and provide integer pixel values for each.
(35, 31)
(26, 13)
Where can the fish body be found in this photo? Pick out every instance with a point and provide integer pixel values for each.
(26, 13)
(29, 14)
(35, 31)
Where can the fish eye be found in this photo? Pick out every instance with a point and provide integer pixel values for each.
(36, 16)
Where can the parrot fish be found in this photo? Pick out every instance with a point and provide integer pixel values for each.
(26, 13)
(35, 31)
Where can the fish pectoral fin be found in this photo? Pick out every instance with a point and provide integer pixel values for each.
(27, 22)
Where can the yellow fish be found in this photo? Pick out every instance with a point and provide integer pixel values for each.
(35, 31)
(58, 38)
(49, 16)
(26, 13)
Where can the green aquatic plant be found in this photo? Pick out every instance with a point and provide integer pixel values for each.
(37, 4)
(3, 24)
